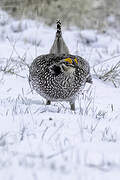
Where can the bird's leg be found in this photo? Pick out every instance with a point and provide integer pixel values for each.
(72, 106)
(48, 102)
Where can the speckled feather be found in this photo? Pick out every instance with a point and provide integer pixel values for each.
(60, 87)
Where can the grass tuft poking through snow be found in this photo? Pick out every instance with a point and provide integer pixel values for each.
(110, 74)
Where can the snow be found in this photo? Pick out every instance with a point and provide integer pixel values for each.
(43, 142)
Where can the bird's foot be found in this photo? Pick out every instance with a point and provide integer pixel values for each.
(72, 106)
(48, 102)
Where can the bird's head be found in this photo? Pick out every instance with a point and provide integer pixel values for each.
(66, 66)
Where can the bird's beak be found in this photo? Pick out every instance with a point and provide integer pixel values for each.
(68, 69)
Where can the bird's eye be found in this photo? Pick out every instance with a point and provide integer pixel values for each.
(66, 63)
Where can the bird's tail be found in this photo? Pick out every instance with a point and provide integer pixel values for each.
(59, 32)
(59, 46)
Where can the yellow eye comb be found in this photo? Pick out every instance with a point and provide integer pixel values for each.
(76, 60)
(68, 60)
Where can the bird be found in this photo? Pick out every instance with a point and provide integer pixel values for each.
(59, 77)
(59, 46)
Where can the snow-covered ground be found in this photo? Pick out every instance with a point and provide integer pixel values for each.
(51, 142)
